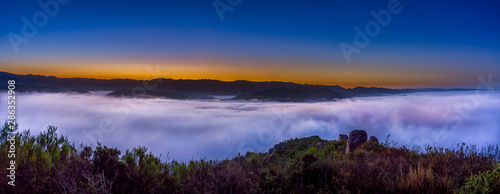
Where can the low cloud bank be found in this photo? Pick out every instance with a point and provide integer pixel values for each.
(195, 129)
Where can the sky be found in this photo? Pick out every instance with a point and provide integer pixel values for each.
(186, 129)
(422, 43)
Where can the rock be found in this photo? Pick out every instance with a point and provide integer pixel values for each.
(343, 137)
(356, 138)
(373, 139)
(278, 148)
(319, 144)
(270, 151)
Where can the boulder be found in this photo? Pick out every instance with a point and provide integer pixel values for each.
(343, 137)
(373, 139)
(356, 138)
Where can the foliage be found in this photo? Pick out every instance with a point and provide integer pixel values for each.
(49, 163)
(487, 182)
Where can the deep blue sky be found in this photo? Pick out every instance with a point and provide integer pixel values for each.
(441, 44)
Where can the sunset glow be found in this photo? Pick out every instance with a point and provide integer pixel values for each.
(275, 43)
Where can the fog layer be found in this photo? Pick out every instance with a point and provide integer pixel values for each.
(188, 129)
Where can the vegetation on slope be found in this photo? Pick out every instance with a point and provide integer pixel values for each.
(146, 94)
(48, 162)
(302, 93)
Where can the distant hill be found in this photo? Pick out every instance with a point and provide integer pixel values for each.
(138, 94)
(197, 89)
(301, 93)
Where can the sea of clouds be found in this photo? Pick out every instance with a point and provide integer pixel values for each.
(186, 129)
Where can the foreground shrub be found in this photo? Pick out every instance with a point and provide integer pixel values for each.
(487, 182)
(49, 163)
(422, 180)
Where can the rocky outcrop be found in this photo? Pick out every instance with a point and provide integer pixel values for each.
(270, 151)
(343, 137)
(373, 139)
(356, 138)
(276, 148)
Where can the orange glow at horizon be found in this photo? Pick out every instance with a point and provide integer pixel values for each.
(345, 76)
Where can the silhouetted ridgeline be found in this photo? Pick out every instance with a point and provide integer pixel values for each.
(300, 93)
(196, 89)
(131, 93)
(49, 163)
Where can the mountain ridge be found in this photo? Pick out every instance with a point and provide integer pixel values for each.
(197, 89)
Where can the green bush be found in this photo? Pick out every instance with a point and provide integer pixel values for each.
(312, 150)
(488, 182)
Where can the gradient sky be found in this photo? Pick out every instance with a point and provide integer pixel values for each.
(428, 44)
